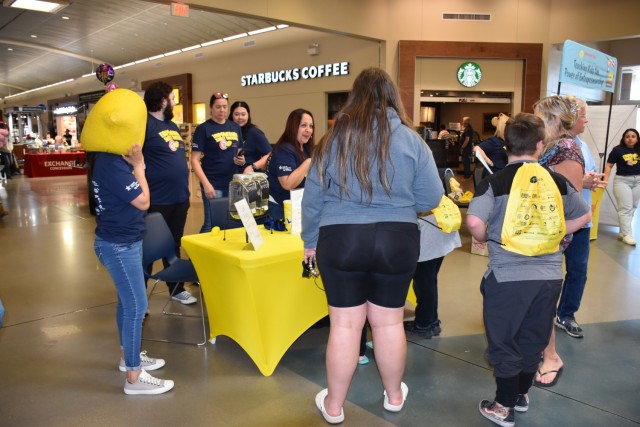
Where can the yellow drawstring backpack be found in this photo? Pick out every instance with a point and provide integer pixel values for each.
(534, 219)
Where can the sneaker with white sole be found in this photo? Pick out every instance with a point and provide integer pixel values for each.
(522, 403)
(570, 326)
(497, 413)
(629, 240)
(146, 384)
(147, 363)
(185, 298)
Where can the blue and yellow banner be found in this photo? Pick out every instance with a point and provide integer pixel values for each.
(587, 67)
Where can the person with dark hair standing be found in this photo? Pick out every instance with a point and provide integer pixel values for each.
(290, 160)
(371, 175)
(519, 291)
(167, 171)
(216, 154)
(255, 143)
(466, 146)
(626, 184)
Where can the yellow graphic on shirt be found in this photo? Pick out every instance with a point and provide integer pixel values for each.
(172, 138)
(631, 159)
(225, 139)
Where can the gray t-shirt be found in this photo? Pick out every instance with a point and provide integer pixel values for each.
(490, 204)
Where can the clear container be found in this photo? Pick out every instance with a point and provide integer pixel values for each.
(242, 187)
(262, 182)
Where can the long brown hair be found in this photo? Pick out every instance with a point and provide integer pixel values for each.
(359, 125)
(290, 134)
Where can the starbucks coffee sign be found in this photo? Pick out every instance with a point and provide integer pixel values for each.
(469, 74)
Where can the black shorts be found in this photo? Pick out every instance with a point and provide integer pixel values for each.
(368, 262)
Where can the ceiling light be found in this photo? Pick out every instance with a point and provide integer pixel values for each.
(263, 30)
(281, 26)
(66, 18)
(212, 42)
(186, 49)
(237, 36)
(33, 36)
(37, 5)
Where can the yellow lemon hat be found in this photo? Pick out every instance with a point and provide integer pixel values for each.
(115, 123)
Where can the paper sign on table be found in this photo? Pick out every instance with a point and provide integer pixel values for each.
(249, 223)
(296, 211)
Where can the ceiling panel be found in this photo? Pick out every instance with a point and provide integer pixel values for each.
(117, 32)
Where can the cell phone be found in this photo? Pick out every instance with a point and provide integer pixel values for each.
(240, 152)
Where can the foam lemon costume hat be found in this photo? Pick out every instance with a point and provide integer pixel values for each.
(115, 123)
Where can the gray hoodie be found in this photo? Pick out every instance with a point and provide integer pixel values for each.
(412, 173)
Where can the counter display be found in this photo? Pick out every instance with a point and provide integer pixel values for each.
(54, 164)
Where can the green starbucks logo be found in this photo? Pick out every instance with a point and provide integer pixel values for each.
(469, 74)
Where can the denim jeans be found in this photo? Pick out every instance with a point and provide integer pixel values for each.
(627, 192)
(123, 261)
(206, 225)
(577, 258)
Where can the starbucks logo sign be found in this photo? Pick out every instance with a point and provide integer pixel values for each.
(469, 74)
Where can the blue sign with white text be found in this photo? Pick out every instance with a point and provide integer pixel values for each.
(587, 67)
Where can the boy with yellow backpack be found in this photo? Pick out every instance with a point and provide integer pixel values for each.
(524, 212)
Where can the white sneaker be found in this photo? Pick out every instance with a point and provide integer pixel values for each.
(185, 298)
(147, 384)
(629, 240)
(148, 363)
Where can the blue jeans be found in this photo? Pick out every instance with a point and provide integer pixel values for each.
(577, 258)
(206, 225)
(123, 261)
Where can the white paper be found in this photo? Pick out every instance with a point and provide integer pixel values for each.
(296, 210)
(249, 223)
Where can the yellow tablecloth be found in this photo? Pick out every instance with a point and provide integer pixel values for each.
(257, 298)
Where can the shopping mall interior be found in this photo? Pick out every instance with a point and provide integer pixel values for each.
(59, 348)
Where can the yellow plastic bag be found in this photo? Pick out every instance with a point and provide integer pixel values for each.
(447, 215)
(534, 219)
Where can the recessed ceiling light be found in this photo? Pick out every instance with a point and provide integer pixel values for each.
(38, 5)
(65, 17)
(9, 48)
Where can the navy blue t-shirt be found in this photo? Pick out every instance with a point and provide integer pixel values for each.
(219, 144)
(494, 149)
(468, 132)
(626, 159)
(114, 188)
(283, 161)
(256, 145)
(166, 170)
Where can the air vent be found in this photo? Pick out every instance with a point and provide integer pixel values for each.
(466, 16)
(249, 43)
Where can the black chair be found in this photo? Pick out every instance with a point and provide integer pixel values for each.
(219, 214)
(158, 244)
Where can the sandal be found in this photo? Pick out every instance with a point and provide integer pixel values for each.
(558, 372)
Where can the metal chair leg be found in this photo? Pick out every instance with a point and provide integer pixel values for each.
(169, 313)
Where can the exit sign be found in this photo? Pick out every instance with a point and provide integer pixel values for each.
(180, 9)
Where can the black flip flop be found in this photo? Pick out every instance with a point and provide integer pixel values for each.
(558, 372)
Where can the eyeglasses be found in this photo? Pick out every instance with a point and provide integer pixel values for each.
(219, 95)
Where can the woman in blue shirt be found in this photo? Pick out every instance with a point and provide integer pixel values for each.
(216, 154)
(255, 143)
(290, 160)
(121, 195)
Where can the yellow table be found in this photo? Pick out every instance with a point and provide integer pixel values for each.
(257, 298)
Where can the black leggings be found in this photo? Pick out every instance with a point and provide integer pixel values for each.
(368, 262)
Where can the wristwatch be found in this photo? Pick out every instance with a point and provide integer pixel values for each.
(253, 166)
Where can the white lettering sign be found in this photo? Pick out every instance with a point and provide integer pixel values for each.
(281, 76)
